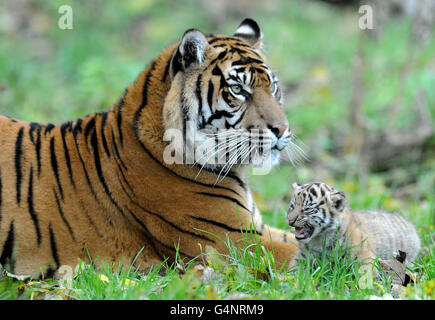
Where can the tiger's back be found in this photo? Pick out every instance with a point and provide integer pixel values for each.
(50, 196)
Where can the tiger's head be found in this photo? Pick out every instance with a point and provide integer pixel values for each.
(224, 97)
(314, 208)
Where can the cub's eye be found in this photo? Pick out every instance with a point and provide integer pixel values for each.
(310, 210)
(236, 89)
(274, 88)
(291, 207)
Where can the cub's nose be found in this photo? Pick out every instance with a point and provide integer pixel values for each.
(291, 222)
(279, 129)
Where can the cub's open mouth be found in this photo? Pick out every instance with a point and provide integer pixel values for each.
(302, 233)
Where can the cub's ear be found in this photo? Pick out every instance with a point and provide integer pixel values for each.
(249, 31)
(190, 52)
(296, 185)
(337, 200)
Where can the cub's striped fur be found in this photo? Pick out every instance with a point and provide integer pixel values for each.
(100, 185)
(319, 213)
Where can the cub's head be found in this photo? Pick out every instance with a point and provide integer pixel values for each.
(225, 99)
(314, 208)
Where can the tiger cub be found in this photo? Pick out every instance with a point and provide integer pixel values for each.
(321, 218)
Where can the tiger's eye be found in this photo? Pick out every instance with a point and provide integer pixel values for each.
(236, 88)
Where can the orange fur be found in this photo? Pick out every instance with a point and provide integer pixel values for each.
(99, 185)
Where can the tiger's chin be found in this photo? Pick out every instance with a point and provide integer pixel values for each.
(270, 158)
(262, 162)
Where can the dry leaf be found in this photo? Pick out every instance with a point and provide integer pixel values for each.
(397, 269)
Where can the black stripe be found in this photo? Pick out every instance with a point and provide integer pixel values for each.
(55, 167)
(234, 41)
(18, 155)
(210, 93)
(91, 222)
(90, 127)
(215, 195)
(78, 127)
(229, 175)
(198, 96)
(8, 248)
(53, 247)
(103, 136)
(166, 72)
(245, 60)
(221, 56)
(224, 226)
(63, 129)
(38, 150)
(226, 96)
(185, 119)
(178, 228)
(59, 207)
(145, 91)
(148, 235)
(124, 179)
(33, 127)
(48, 128)
(117, 155)
(218, 115)
(240, 118)
(32, 212)
(119, 118)
(152, 238)
(97, 162)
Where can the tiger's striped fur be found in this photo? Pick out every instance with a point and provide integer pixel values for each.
(322, 219)
(100, 186)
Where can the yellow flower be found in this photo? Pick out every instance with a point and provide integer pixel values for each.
(104, 278)
(391, 204)
(349, 186)
(128, 282)
(211, 294)
(428, 287)
(259, 201)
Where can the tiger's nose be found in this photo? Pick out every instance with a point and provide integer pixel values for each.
(279, 129)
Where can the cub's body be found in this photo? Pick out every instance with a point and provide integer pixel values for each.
(329, 221)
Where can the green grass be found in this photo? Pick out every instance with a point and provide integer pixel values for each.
(246, 272)
(53, 75)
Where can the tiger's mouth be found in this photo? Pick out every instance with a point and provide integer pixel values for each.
(303, 233)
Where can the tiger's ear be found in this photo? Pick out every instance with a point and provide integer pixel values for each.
(337, 200)
(249, 31)
(191, 50)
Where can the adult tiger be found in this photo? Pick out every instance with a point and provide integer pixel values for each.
(100, 186)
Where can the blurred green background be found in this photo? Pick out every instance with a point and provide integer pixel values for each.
(363, 102)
